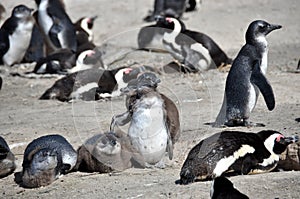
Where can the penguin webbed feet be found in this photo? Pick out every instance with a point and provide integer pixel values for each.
(242, 122)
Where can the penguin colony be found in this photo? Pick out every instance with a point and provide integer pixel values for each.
(49, 38)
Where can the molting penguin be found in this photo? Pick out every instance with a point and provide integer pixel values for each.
(91, 84)
(172, 114)
(111, 151)
(7, 159)
(45, 159)
(247, 77)
(15, 35)
(194, 50)
(56, 25)
(222, 188)
(290, 158)
(234, 151)
(148, 129)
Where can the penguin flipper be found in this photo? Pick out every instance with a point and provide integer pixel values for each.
(264, 86)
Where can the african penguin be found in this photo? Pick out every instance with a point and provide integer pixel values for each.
(84, 26)
(194, 50)
(45, 159)
(222, 188)
(91, 84)
(235, 152)
(15, 35)
(172, 114)
(107, 152)
(56, 25)
(171, 8)
(247, 77)
(7, 159)
(148, 128)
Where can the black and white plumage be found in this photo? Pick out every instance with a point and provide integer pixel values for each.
(149, 129)
(91, 84)
(247, 77)
(194, 50)
(7, 159)
(222, 188)
(107, 152)
(234, 151)
(56, 25)
(45, 159)
(15, 35)
(84, 27)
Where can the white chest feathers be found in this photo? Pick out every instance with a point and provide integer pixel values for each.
(19, 41)
(44, 19)
(148, 129)
(264, 60)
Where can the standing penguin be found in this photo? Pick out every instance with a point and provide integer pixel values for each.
(56, 25)
(148, 128)
(234, 151)
(45, 159)
(247, 77)
(7, 159)
(222, 188)
(15, 35)
(194, 50)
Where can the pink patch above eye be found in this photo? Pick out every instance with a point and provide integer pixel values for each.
(279, 137)
(127, 71)
(169, 19)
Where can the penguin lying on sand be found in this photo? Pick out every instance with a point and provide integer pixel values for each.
(247, 77)
(7, 159)
(222, 188)
(194, 50)
(108, 152)
(149, 128)
(91, 84)
(45, 159)
(15, 35)
(234, 152)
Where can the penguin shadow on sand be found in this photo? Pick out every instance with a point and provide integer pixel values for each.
(246, 79)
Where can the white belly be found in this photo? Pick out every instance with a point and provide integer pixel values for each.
(18, 43)
(44, 20)
(252, 98)
(148, 133)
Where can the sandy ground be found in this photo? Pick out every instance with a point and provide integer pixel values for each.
(23, 117)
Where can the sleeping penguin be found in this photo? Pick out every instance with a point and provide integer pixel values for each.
(46, 159)
(222, 188)
(234, 152)
(15, 35)
(246, 78)
(7, 159)
(107, 152)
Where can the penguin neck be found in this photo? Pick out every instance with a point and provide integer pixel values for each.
(170, 37)
(84, 26)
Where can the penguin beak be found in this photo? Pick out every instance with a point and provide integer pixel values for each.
(289, 140)
(273, 27)
(95, 17)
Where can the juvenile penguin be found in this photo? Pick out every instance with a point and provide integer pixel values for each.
(15, 35)
(56, 25)
(290, 158)
(7, 159)
(194, 50)
(148, 129)
(111, 151)
(172, 114)
(45, 159)
(91, 84)
(236, 152)
(247, 77)
(222, 188)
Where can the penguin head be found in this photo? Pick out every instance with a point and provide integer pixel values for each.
(44, 159)
(170, 23)
(259, 29)
(108, 144)
(275, 142)
(21, 11)
(147, 80)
